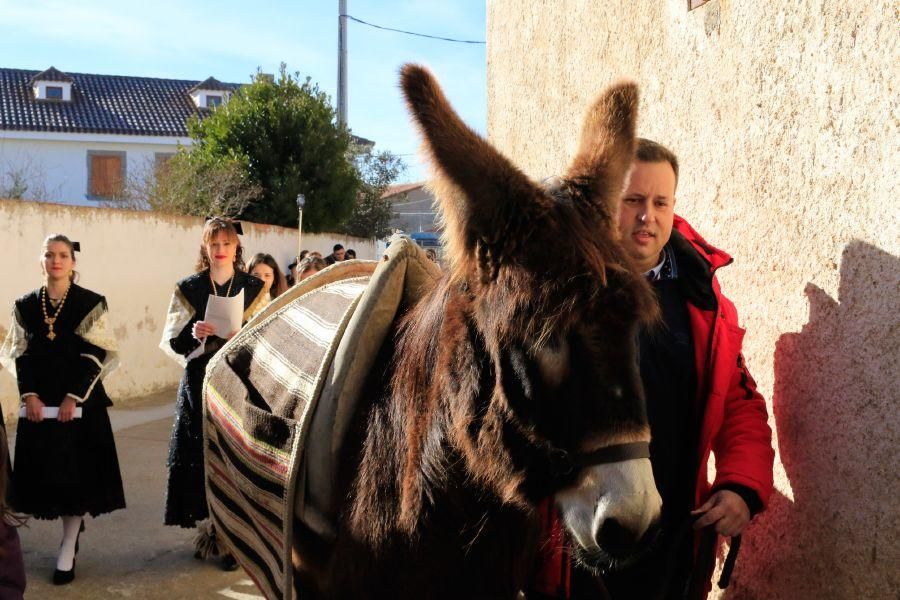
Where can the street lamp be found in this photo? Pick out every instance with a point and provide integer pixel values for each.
(301, 202)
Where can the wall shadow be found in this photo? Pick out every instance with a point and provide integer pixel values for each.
(835, 402)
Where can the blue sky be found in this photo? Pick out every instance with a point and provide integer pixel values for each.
(229, 39)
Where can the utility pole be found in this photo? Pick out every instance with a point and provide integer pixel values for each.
(342, 63)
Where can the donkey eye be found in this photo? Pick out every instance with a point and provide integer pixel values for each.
(553, 363)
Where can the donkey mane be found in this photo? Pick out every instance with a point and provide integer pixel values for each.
(400, 427)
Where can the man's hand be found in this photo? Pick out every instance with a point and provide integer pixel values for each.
(726, 510)
(67, 410)
(34, 408)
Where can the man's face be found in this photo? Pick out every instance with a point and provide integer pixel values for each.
(647, 212)
(339, 254)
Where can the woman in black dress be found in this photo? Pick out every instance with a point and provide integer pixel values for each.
(60, 346)
(220, 272)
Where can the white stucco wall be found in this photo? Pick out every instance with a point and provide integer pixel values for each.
(415, 211)
(56, 164)
(786, 118)
(134, 259)
(39, 89)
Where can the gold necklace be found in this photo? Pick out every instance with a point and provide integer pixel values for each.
(47, 318)
(215, 290)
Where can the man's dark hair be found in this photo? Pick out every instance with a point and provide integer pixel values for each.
(650, 151)
(337, 247)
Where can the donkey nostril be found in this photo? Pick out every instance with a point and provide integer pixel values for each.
(616, 540)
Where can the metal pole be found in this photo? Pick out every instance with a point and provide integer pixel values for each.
(301, 201)
(342, 63)
(300, 233)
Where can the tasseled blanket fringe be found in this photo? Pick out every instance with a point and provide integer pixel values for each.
(206, 542)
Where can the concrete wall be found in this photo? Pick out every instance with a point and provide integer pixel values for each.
(55, 165)
(785, 117)
(134, 259)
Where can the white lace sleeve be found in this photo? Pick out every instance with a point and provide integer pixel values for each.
(180, 314)
(14, 344)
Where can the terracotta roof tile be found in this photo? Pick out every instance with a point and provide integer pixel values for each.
(212, 84)
(402, 188)
(52, 74)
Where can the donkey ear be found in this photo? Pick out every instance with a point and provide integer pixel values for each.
(608, 143)
(494, 193)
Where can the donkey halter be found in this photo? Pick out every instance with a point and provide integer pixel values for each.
(564, 463)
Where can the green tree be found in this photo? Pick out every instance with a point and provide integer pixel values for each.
(284, 134)
(372, 214)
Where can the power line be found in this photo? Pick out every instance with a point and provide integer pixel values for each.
(425, 35)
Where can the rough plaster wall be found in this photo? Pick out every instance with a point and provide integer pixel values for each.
(785, 117)
(134, 259)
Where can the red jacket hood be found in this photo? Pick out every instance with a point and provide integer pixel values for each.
(715, 257)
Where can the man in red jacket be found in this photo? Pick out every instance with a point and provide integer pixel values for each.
(700, 396)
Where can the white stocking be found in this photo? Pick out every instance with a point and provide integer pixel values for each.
(71, 527)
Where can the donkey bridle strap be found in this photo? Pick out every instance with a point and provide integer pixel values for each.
(565, 463)
(611, 454)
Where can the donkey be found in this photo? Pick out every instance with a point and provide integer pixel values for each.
(504, 378)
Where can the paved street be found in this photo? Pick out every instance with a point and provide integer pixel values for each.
(129, 553)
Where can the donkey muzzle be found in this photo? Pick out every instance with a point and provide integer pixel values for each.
(612, 509)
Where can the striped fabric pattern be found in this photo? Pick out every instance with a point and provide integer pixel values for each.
(259, 392)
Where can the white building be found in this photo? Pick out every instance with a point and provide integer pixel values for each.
(413, 205)
(74, 138)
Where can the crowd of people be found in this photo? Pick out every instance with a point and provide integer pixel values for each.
(66, 462)
(308, 263)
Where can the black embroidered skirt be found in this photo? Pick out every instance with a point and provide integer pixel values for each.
(186, 489)
(67, 469)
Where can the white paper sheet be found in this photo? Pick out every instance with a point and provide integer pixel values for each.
(50, 412)
(225, 314)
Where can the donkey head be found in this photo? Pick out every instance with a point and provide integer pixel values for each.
(553, 305)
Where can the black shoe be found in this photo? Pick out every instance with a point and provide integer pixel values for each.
(228, 563)
(64, 577)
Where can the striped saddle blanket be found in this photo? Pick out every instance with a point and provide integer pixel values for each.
(279, 397)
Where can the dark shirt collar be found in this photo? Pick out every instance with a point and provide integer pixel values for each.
(667, 267)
